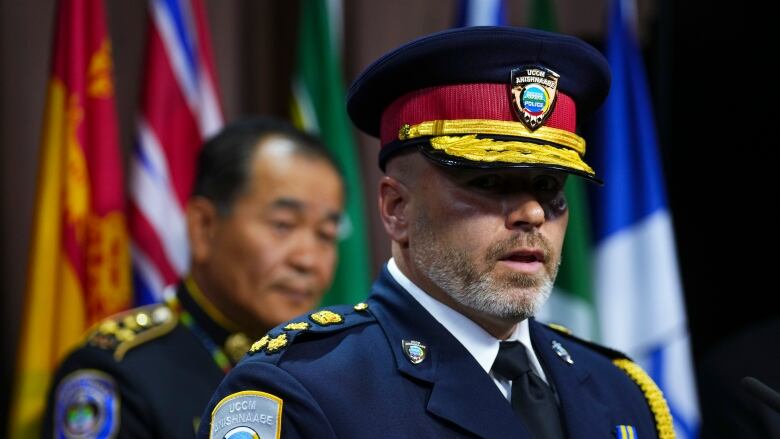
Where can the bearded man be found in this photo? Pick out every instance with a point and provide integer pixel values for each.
(477, 127)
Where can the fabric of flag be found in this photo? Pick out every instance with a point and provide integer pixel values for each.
(179, 110)
(572, 303)
(639, 294)
(318, 107)
(481, 13)
(79, 266)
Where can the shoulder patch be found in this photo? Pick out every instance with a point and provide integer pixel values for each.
(610, 353)
(247, 415)
(128, 329)
(86, 405)
(330, 320)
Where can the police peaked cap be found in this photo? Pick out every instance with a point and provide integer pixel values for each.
(484, 97)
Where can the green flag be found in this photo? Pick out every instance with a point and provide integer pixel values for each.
(573, 303)
(318, 107)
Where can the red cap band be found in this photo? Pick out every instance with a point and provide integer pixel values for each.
(465, 101)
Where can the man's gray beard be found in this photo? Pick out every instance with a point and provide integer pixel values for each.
(518, 297)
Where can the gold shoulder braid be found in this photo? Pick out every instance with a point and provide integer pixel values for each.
(129, 329)
(560, 328)
(654, 396)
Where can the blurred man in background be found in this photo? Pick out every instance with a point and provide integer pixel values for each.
(262, 223)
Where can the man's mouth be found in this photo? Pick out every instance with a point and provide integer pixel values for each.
(526, 260)
(295, 293)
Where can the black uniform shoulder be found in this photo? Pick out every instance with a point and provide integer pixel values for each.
(129, 329)
(610, 353)
(325, 322)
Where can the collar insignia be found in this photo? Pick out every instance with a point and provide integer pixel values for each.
(562, 353)
(414, 350)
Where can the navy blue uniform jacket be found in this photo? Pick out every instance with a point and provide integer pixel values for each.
(353, 380)
(161, 384)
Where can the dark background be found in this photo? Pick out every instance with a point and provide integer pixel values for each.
(709, 65)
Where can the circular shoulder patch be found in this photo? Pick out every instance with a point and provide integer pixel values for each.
(247, 415)
(86, 406)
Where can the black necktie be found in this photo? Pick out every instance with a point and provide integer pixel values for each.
(532, 398)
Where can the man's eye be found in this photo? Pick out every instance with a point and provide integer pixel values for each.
(547, 183)
(485, 182)
(282, 226)
(328, 236)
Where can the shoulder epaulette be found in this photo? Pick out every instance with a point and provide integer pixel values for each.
(612, 354)
(124, 331)
(653, 395)
(327, 320)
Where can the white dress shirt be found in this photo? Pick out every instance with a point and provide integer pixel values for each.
(480, 344)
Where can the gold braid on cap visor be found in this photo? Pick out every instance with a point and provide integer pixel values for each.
(465, 144)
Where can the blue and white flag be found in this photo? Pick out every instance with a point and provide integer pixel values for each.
(639, 296)
(481, 13)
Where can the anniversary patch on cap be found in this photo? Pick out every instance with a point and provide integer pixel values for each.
(87, 405)
(247, 415)
(533, 90)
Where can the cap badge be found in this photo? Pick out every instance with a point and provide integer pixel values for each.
(562, 353)
(414, 350)
(533, 91)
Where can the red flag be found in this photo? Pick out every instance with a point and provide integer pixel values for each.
(78, 270)
(179, 110)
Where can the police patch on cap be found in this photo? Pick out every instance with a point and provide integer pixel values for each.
(534, 90)
(86, 406)
(247, 415)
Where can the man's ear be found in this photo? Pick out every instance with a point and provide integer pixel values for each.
(202, 219)
(394, 199)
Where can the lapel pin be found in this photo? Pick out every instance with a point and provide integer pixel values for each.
(414, 350)
(562, 353)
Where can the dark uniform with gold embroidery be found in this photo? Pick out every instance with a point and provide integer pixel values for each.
(348, 372)
(145, 373)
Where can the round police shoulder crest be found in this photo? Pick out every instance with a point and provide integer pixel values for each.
(248, 414)
(533, 91)
(242, 433)
(86, 406)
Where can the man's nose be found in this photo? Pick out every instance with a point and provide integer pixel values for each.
(304, 252)
(523, 211)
